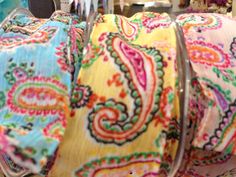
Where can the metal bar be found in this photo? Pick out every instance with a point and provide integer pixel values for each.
(15, 12)
(185, 78)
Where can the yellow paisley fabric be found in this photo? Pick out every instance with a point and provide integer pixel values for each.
(127, 121)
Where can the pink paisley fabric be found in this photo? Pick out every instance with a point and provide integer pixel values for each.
(211, 46)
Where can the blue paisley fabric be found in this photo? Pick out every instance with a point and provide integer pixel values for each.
(38, 59)
(6, 6)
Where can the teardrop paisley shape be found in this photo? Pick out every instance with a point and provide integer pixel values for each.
(37, 96)
(111, 121)
(129, 29)
(207, 53)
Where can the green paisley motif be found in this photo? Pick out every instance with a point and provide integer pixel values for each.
(2, 99)
(118, 124)
(17, 72)
(93, 55)
(227, 75)
(115, 163)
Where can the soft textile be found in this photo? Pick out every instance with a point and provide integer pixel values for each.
(6, 6)
(36, 71)
(127, 122)
(211, 45)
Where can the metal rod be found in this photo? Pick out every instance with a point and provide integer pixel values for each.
(185, 78)
(14, 13)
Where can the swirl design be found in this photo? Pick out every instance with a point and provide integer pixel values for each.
(111, 121)
(207, 53)
(225, 134)
(80, 96)
(139, 164)
(37, 96)
(129, 29)
(199, 22)
(41, 36)
(56, 129)
(155, 20)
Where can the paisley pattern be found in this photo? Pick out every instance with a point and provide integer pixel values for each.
(199, 22)
(120, 128)
(223, 136)
(63, 60)
(80, 96)
(129, 29)
(210, 143)
(37, 96)
(92, 55)
(139, 164)
(41, 36)
(207, 53)
(128, 117)
(24, 25)
(128, 126)
(17, 72)
(35, 89)
(56, 129)
(154, 20)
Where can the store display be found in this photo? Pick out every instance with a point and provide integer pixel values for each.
(92, 94)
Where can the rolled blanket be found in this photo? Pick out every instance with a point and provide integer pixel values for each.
(128, 114)
(37, 58)
(210, 145)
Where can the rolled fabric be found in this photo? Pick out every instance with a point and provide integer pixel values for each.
(37, 64)
(211, 119)
(211, 44)
(127, 122)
